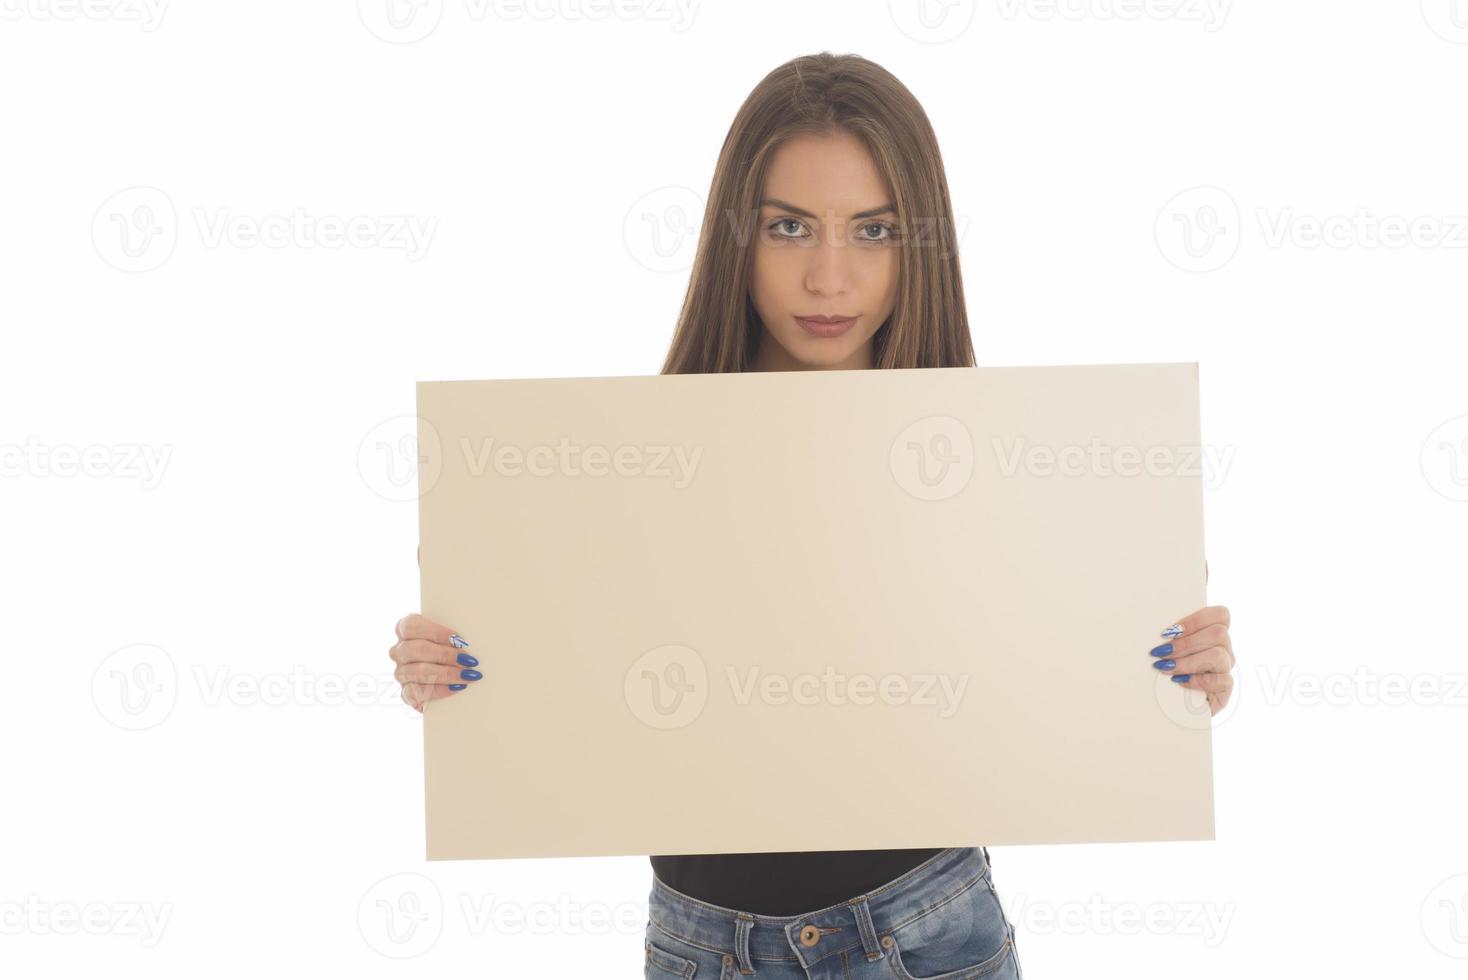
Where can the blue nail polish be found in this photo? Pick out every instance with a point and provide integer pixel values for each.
(1164, 664)
(458, 641)
(467, 660)
(470, 675)
(457, 687)
(1174, 630)
(1163, 650)
(1180, 678)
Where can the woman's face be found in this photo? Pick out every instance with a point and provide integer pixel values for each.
(825, 246)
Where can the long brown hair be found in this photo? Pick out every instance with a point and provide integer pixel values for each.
(718, 328)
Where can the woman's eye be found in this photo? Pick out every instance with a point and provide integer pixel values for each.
(781, 224)
(877, 231)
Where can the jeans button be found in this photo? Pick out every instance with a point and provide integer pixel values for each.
(809, 936)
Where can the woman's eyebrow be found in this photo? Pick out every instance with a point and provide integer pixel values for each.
(785, 206)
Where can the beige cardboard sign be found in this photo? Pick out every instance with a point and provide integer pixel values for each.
(813, 610)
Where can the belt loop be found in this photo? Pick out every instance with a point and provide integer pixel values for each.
(986, 857)
(741, 942)
(865, 926)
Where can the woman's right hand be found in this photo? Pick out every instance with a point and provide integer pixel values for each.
(433, 661)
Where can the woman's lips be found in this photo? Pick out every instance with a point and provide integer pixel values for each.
(825, 326)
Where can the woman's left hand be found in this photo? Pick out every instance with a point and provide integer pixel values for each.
(1200, 654)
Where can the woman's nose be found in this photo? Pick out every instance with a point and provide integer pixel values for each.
(828, 271)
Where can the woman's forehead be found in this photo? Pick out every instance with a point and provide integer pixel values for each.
(818, 174)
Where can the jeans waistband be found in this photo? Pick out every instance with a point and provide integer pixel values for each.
(855, 924)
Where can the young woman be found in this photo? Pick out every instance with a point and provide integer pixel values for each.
(827, 243)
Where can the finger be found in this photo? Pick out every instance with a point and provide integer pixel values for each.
(425, 673)
(1214, 660)
(1222, 684)
(417, 627)
(417, 695)
(1191, 623)
(1215, 635)
(426, 651)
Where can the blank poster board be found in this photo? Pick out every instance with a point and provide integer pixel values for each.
(813, 610)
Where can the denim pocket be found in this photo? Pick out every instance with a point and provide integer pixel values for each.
(955, 964)
(662, 963)
(967, 937)
(668, 957)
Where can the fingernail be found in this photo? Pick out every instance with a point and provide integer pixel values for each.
(1175, 629)
(470, 675)
(1180, 678)
(467, 660)
(458, 641)
(1161, 651)
(1164, 664)
(457, 687)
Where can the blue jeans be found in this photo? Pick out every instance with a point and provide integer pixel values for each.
(940, 921)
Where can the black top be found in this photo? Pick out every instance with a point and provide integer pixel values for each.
(784, 882)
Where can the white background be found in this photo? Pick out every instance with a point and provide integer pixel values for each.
(560, 160)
